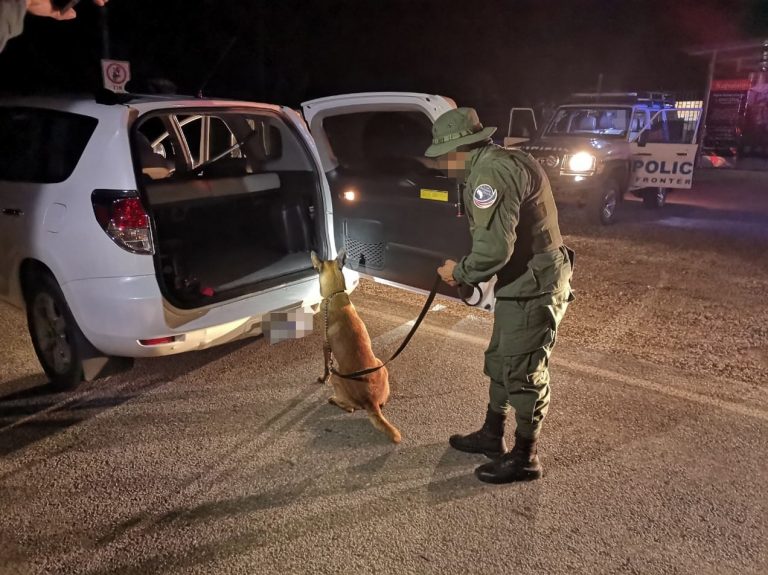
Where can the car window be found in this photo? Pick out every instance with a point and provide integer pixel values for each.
(41, 146)
(221, 144)
(598, 121)
(380, 142)
(682, 125)
(155, 131)
(191, 127)
(221, 139)
(637, 124)
(522, 123)
(657, 132)
(157, 152)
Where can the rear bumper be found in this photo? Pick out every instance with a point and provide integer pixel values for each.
(116, 313)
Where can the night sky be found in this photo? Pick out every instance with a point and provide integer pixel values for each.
(486, 53)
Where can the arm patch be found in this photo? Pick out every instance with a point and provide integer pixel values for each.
(484, 196)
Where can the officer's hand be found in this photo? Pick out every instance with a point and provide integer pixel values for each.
(45, 8)
(446, 272)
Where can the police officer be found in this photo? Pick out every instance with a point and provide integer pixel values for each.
(515, 236)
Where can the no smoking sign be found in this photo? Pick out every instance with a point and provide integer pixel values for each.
(115, 74)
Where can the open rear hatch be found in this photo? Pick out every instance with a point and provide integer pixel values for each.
(233, 196)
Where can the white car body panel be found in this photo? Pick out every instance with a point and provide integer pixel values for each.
(137, 311)
(60, 244)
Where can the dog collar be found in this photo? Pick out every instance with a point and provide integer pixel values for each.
(333, 295)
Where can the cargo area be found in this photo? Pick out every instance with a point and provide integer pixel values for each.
(237, 217)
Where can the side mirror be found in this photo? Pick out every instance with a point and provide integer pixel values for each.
(642, 138)
(522, 126)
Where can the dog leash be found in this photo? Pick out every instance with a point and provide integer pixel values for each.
(359, 374)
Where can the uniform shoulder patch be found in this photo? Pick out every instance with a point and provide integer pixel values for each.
(484, 196)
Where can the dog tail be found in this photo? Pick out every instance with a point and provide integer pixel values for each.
(380, 422)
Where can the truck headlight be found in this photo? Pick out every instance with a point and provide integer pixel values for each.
(580, 163)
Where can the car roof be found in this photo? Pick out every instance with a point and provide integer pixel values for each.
(378, 96)
(76, 104)
(98, 107)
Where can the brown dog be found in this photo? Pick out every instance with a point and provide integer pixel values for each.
(348, 341)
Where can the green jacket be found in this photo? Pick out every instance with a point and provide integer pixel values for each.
(513, 221)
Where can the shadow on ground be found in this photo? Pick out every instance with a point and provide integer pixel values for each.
(33, 410)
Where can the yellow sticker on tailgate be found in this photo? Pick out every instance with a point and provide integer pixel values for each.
(438, 195)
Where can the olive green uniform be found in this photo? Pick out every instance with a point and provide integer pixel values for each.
(515, 235)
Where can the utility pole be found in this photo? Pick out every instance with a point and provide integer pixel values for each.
(705, 108)
(261, 52)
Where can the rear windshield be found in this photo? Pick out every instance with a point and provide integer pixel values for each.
(41, 146)
(585, 121)
(379, 141)
(216, 144)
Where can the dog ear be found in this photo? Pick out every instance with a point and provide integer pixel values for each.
(341, 258)
(315, 261)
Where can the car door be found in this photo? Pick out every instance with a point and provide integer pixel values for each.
(664, 152)
(398, 216)
(522, 127)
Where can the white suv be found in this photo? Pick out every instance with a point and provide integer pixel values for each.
(155, 226)
(151, 226)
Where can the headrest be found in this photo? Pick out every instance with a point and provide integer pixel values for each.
(606, 122)
(587, 123)
(152, 164)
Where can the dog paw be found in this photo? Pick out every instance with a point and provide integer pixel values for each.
(341, 405)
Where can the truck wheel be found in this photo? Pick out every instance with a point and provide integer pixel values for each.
(606, 201)
(54, 332)
(654, 198)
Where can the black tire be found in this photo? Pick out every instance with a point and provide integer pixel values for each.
(56, 337)
(606, 200)
(654, 198)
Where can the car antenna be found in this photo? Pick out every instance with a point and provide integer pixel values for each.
(216, 66)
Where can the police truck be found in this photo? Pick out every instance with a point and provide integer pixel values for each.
(597, 147)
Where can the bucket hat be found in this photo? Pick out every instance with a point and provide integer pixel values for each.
(458, 127)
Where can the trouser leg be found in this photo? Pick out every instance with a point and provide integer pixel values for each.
(497, 391)
(517, 361)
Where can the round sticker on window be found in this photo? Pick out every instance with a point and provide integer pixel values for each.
(484, 196)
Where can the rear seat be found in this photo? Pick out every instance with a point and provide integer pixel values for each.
(165, 192)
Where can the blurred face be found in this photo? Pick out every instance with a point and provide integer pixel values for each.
(453, 163)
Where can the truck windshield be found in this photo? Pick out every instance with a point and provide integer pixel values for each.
(597, 121)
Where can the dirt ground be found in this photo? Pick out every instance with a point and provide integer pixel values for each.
(231, 460)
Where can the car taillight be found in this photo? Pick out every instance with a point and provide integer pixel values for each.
(121, 215)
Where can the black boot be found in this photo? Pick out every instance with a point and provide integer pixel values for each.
(488, 440)
(520, 464)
